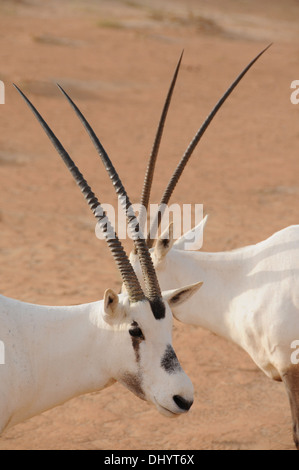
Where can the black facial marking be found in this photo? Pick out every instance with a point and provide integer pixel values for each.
(158, 308)
(165, 242)
(135, 331)
(169, 361)
(137, 337)
(133, 383)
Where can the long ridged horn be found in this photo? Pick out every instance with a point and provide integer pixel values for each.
(123, 263)
(184, 160)
(148, 179)
(152, 288)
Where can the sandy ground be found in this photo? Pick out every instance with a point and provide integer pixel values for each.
(116, 59)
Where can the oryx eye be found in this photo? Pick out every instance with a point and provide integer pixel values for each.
(135, 331)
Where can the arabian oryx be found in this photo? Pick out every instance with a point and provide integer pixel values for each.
(53, 354)
(249, 296)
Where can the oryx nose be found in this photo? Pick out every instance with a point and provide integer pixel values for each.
(182, 402)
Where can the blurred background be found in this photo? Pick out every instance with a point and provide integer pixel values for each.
(116, 58)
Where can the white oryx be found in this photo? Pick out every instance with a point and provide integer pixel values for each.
(249, 296)
(53, 354)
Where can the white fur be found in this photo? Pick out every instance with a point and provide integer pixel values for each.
(249, 296)
(53, 354)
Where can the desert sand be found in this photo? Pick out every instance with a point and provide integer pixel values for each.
(116, 59)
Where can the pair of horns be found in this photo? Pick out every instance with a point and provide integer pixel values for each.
(145, 196)
(135, 292)
(152, 289)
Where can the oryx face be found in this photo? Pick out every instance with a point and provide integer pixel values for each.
(147, 363)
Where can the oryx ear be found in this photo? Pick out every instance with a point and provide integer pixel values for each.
(178, 296)
(110, 302)
(164, 243)
(192, 240)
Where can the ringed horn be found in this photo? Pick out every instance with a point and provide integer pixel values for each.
(184, 160)
(127, 272)
(152, 288)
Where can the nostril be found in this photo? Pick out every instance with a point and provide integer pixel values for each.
(182, 402)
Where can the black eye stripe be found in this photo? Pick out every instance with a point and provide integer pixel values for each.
(136, 337)
(135, 331)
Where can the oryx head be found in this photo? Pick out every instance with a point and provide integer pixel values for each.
(142, 350)
(138, 322)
